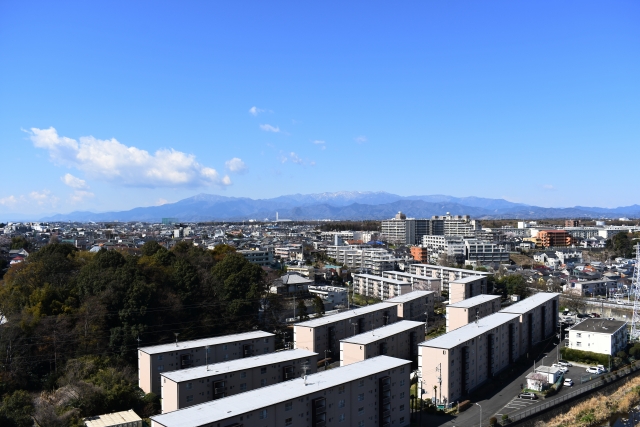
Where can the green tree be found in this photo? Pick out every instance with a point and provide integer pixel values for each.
(318, 306)
(302, 311)
(150, 248)
(20, 242)
(17, 410)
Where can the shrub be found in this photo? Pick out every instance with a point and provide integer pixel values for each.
(493, 421)
(505, 418)
(584, 356)
(464, 405)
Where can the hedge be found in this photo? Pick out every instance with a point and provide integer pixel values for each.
(584, 356)
(464, 405)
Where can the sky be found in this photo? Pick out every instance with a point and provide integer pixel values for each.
(114, 105)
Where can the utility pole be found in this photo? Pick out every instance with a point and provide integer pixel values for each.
(439, 371)
(176, 334)
(325, 358)
(294, 308)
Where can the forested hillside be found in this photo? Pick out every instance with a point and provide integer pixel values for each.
(75, 319)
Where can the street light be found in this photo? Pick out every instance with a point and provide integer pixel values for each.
(480, 414)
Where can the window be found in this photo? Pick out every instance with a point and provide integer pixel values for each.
(224, 347)
(401, 420)
(266, 340)
(361, 383)
(360, 423)
(266, 350)
(159, 357)
(243, 375)
(402, 370)
(578, 335)
(263, 382)
(401, 382)
(288, 406)
(190, 398)
(341, 418)
(361, 410)
(360, 397)
(189, 386)
(243, 386)
(263, 414)
(288, 422)
(160, 367)
(402, 395)
(402, 407)
(341, 389)
(263, 370)
(341, 403)
(578, 344)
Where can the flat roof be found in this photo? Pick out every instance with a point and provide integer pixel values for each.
(470, 331)
(602, 326)
(409, 296)
(162, 348)
(384, 279)
(115, 418)
(236, 365)
(530, 303)
(417, 276)
(232, 406)
(439, 267)
(326, 320)
(473, 301)
(383, 332)
(467, 279)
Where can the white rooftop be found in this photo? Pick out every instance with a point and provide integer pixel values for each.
(473, 301)
(162, 348)
(409, 296)
(470, 331)
(236, 365)
(383, 279)
(227, 407)
(530, 303)
(113, 419)
(326, 320)
(383, 332)
(467, 279)
(464, 270)
(404, 274)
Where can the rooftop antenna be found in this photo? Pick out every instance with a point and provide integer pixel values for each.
(477, 316)
(176, 334)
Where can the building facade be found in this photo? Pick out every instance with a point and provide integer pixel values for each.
(260, 257)
(154, 360)
(371, 393)
(379, 287)
(399, 340)
(447, 274)
(469, 310)
(188, 387)
(416, 305)
(599, 336)
(553, 238)
(467, 287)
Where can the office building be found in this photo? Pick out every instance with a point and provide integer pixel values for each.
(188, 387)
(399, 340)
(154, 360)
(324, 333)
(371, 393)
(467, 287)
(469, 310)
(599, 336)
(468, 357)
(416, 305)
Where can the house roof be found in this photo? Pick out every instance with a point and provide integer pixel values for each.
(602, 326)
(383, 332)
(348, 314)
(183, 345)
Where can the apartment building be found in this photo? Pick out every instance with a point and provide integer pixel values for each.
(371, 393)
(599, 336)
(418, 283)
(447, 274)
(416, 305)
(331, 295)
(379, 287)
(590, 287)
(467, 287)
(481, 252)
(457, 225)
(373, 260)
(260, 257)
(399, 230)
(451, 246)
(555, 238)
(538, 317)
(188, 387)
(469, 310)
(324, 333)
(420, 253)
(460, 361)
(154, 360)
(399, 340)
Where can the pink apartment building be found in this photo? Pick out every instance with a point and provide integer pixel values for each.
(154, 360)
(466, 311)
(399, 340)
(467, 287)
(323, 334)
(188, 387)
(371, 393)
(465, 358)
(416, 305)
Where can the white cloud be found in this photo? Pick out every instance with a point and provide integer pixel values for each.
(295, 159)
(360, 139)
(9, 201)
(254, 111)
(548, 187)
(74, 182)
(235, 165)
(44, 197)
(269, 128)
(317, 141)
(111, 161)
(80, 195)
(161, 202)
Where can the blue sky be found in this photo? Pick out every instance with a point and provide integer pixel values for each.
(109, 106)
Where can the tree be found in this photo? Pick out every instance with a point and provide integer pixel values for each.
(20, 242)
(318, 306)
(302, 310)
(17, 409)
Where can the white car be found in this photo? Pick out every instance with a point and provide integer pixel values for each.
(601, 368)
(568, 382)
(593, 370)
(565, 364)
(564, 369)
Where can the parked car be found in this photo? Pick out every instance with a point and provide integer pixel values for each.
(601, 368)
(565, 363)
(593, 370)
(568, 382)
(527, 395)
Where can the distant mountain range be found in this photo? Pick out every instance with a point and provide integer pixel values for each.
(343, 205)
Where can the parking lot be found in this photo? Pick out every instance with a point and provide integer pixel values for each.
(516, 405)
